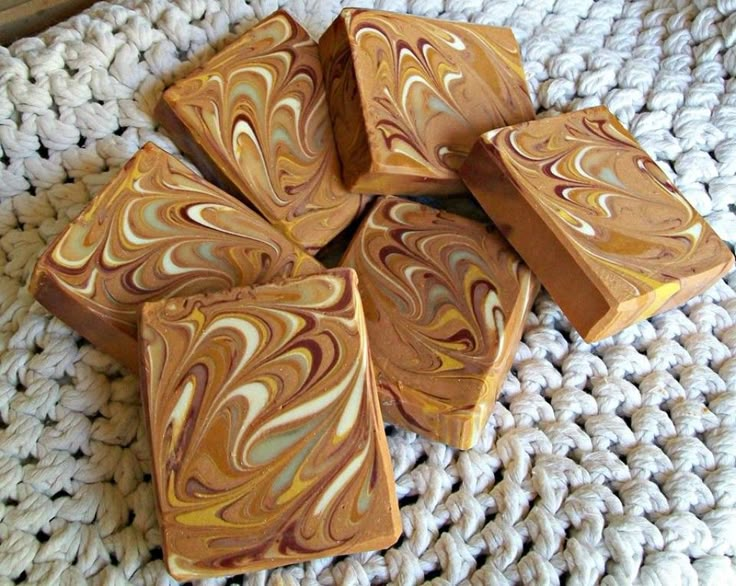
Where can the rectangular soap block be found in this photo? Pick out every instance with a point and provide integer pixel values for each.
(608, 234)
(157, 230)
(267, 439)
(446, 300)
(255, 121)
(409, 95)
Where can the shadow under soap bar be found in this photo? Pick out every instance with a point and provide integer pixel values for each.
(255, 121)
(157, 230)
(608, 234)
(446, 300)
(409, 95)
(267, 440)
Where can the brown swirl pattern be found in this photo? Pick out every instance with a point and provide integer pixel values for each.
(613, 209)
(257, 113)
(410, 95)
(445, 301)
(268, 444)
(156, 231)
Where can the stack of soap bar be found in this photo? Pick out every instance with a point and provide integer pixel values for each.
(255, 120)
(597, 220)
(408, 97)
(157, 230)
(267, 438)
(446, 299)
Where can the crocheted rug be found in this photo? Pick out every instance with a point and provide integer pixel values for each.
(614, 461)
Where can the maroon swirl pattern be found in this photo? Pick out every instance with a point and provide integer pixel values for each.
(257, 114)
(410, 95)
(268, 444)
(611, 211)
(445, 300)
(156, 231)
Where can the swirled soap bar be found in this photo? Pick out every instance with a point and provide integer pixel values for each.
(255, 120)
(409, 95)
(267, 439)
(446, 299)
(157, 230)
(608, 234)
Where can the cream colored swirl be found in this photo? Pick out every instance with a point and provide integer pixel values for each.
(614, 208)
(445, 302)
(426, 89)
(156, 231)
(267, 440)
(258, 112)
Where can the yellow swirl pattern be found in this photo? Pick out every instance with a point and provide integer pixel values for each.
(445, 301)
(268, 444)
(613, 209)
(421, 91)
(257, 111)
(156, 231)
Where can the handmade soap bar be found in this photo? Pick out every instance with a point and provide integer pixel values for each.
(267, 439)
(446, 299)
(607, 233)
(408, 97)
(157, 230)
(255, 121)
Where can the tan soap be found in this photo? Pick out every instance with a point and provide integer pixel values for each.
(446, 299)
(608, 234)
(267, 439)
(409, 95)
(156, 231)
(255, 121)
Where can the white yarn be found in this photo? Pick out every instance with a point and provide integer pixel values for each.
(613, 462)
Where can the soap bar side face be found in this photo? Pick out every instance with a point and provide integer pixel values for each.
(427, 89)
(267, 442)
(517, 218)
(345, 106)
(256, 117)
(446, 300)
(156, 231)
(612, 211)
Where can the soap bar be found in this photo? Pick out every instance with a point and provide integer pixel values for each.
(409, 95)
(255, 121)
(157, 230)
(607, 233)
(446, 300)
(267, 440)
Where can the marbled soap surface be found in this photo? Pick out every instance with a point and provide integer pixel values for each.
(607, 206)
(421, 91)
(257, 110)
(268, 445)
(445, 300)
(158, 230)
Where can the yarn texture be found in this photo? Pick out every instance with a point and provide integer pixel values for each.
(612, 462)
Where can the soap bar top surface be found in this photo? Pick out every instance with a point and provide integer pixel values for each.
(156, 230)
(445, 299)
(607, 207)
(409, 96)
(255, 117)
(267, 440)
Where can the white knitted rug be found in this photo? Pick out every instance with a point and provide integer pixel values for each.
(612, 462)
